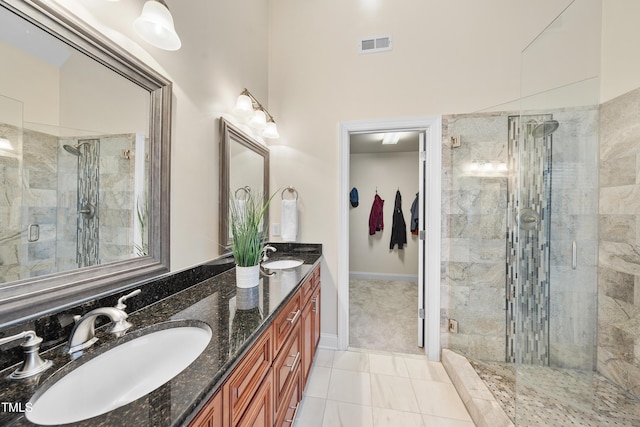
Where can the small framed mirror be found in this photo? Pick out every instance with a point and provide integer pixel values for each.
(244, 167)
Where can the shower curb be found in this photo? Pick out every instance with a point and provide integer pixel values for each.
(480, 402)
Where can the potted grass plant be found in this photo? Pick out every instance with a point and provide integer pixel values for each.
(248, 237)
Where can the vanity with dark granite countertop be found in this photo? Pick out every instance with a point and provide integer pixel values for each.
(236, 317)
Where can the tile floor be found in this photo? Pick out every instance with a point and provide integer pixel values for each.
(360, 388)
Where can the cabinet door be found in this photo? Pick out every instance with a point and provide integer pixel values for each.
(307, 341)
(315, 300)
(260, 412)
(210, 415)
(247, 376)
(286, 366)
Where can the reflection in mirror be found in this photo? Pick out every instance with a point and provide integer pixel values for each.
(244, 167)
(84, 200)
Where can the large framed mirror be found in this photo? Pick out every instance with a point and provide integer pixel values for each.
(84, 161)
(244, 167)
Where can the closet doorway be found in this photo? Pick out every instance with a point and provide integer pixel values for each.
(388, 298)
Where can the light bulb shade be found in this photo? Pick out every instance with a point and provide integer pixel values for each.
(244, 106)
(155, 26)
(271, 131)
(5, 144)
(259, 120)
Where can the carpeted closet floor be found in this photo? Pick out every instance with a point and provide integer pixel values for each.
(383, 315)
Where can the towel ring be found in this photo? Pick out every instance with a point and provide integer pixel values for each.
(246, 189)
(290, 190)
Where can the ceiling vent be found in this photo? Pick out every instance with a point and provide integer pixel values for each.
(375, 44)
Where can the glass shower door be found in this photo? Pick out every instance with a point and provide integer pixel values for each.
(555, 223)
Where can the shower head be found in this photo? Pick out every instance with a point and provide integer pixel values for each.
(74, 149)
(545, 128)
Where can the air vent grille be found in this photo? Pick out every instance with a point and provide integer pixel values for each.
(375, 44)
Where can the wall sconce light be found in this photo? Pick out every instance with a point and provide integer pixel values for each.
(5, 144)
(248, 106)
(155, 26)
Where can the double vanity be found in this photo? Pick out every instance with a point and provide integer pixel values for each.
(200, 352)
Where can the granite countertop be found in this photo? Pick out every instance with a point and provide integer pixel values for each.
(236, 317)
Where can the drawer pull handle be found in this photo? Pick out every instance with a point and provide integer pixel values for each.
(315, 304)
(295, 316)
(295, 360)
(295, 413)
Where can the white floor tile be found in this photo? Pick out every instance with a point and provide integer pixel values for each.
(311, 412)
(387, 365)
(393, 393)
(423, 369)
(439, 399)
(324, 358)
(341, 414)
(391, 418)
(431, 421)
(350, 386)
(351, 360)
(318, 383)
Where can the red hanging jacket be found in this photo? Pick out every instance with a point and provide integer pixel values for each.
(376, 221)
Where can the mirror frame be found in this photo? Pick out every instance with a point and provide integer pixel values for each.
(229, 132)
(30, 298)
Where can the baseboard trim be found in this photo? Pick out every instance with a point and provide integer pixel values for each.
(363, 275)
(328, 341)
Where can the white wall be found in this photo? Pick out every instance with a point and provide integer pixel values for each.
(387, 173)
(620, 53)
(31, 81)
(448, 57)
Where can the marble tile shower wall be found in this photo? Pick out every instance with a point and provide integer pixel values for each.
(39, 201)
(619, 242)
(47, 196)
(10, 202)
(473, 236)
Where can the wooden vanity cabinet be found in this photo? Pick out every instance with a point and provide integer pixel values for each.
(265, 388)
(211, 415)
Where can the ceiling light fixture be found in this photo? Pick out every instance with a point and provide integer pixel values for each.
(391, 138)
(155, 26)
(248, 106)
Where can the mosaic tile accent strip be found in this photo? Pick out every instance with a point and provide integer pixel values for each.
(528, 237)
(88, 203)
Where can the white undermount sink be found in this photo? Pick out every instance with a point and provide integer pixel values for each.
(282, 264)
(119, 376)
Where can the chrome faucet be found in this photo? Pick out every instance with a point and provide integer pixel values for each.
(83, 333)
(33, 364)
(265, 252)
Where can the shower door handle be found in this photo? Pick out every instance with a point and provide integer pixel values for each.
(574, 255)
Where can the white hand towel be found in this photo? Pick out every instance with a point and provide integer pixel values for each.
(289, 220)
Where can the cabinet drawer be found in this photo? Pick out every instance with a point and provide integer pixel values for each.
(247, 376)
(286, 320)
(290, 404)
(286, 365)
(306, 289)
(260, 411)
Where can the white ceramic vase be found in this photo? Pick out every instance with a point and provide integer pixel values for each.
(247, 277)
